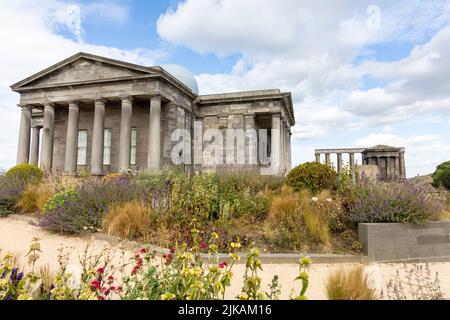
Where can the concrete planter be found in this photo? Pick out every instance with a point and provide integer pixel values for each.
(398, 241)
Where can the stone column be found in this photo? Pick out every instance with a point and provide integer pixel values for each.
(125, 134)
(70, 162)
(351, 159)
(47, 137)
(397, 167)
(34, 152)
(339, 162)
(402, 164)
(289, 151)
(275, 141)
(251, 140)
(317, 157)
(23, 149)
(154, 135)
(327, 159)
(97, 138)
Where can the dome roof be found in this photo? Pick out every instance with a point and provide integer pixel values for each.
(183, 75)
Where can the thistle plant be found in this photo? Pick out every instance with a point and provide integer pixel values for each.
(303, 276)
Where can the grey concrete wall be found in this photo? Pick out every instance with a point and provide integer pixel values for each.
(396, 241)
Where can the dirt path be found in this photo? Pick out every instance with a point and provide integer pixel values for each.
(16, 233)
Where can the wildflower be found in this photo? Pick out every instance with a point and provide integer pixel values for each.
(137, 256)
(100, 270)
(214, 236)
(110, 279)
(119, 288)
(135, 269)
(314, 199)
(24, 297)
(243, 296)
(235, 256)
(95, 284)
(172, 250)
(203, 246)
(235, 245)
(168, 296)
(305, 261)
(143, 251)
(101, 298)
(223, 265)
(329, 200)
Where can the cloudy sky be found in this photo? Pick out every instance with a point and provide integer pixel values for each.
(361, 72)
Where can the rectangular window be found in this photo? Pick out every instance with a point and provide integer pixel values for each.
(107, 147)
(133, 145)
(82, 147)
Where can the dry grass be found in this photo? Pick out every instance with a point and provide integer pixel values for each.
(35, 197)
(131, 220)
(349, 284)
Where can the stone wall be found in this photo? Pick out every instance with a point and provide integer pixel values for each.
(397, 241)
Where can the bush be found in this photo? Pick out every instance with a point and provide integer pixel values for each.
(371, 201)
(296, 219)
(83, 208)
(130, 220)
(349, 284)
(11, 187)
(442, 175)
(26, 172)
(312, 176)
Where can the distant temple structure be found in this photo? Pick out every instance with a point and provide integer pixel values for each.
(389, 162)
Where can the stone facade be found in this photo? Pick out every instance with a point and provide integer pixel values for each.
(96, 95)
(388, 161)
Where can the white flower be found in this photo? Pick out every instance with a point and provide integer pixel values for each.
(314, 199)
(329, 200)
(85, 228)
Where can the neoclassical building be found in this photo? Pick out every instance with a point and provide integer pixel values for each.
(99, 115)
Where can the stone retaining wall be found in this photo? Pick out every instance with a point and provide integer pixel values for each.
(398, 241)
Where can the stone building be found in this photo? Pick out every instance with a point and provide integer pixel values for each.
(389, 161)
(99, 115)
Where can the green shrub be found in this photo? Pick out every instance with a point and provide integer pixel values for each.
(26, 172)
(312, 176)
(442, 175)
(60, 198)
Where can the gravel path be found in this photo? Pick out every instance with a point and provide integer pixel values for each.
(16, 233)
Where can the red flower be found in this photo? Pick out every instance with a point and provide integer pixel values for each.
(110, 279)
(140, 262)
(172, 250)
(203, 245)
(112, 288)
(143, 251)
(101, 298)
(137, 256)
(223, 265)
(95, 284)
(100, 270)
(135, 269)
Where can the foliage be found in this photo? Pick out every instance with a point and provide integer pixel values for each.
(296, 219)
(129, 220)
(372, 201)
(84, 207)
(11, 187)
(349, 284)
(442, 175)
(28, 173)
(312, 176)
(35, 197)
(413, 282)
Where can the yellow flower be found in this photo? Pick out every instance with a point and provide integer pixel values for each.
(305, 261)
(168, 296)
(243, 296)
(235, 245)
(235, 256)
(214, 236)
(24, 297)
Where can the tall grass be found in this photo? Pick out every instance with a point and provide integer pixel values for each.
(349, 284)
(131, 220)
(34, 197)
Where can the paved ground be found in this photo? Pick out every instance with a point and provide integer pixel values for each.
(16, 233)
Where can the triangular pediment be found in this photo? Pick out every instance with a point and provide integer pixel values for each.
(83, 68)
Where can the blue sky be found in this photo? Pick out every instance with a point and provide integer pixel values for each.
(360, 72)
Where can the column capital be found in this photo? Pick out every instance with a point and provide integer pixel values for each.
(100, 100)
(48, 104)
(249, 115)
(25, 106)
(156, 97)
(126, 97)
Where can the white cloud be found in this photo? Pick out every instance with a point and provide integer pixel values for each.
(31, 42)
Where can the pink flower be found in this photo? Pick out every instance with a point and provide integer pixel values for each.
(101, 298)
(223, 265)
(135, 269)
(100, 270)
(143, 251)
(95, 284)
(203, 245)
(172, 250)
(110, 279)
